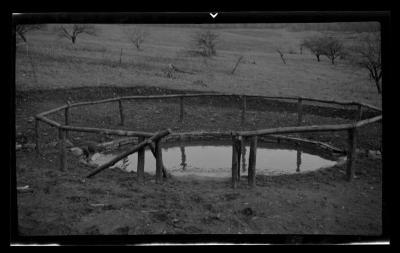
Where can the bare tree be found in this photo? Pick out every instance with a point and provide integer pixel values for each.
(136, 36)
(314, 44)
(280, 52)
(21, 30)
(71, 32)
(367, 55)
(205, 42)
(332, 48)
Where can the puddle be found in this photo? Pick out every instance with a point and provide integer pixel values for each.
(214, 160)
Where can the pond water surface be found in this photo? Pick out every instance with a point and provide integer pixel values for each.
(214, 161)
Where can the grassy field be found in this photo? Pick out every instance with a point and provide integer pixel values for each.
(54, 70)
(53, 62)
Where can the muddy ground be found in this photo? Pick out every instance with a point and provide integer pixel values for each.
(113, 202)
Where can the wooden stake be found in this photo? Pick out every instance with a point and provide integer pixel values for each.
(234, 162)
(121, 112)
(299, 111)
(243, 152)
(66, 117)
(252, 161)
(181, 111)
(37, 136)
(351, 153)
(159, 163)
(244, 109)
(140, 162)
(360, 112)
(239, 154)
(61, 143)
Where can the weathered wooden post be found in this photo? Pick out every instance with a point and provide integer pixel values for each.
(252, 161)
(121, 112)
(61, 144)
(244, 98)
(66, 119)
(37, 136)
(140, 162)
(351, 153)
(359, 112)
(235, 162)
(299, 111)
(243, 152)
(239, 154)
(181, 109)
(159, 163)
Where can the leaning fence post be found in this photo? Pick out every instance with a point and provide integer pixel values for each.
(37, 136)
(181, 109)
(235, 162)
(299, 111)
(121, 112)
(239, 154)
(140, 162)
(351, 153)
(61, 143)
(244, 98)
(252, 161)
(159, 163)
(66, 117)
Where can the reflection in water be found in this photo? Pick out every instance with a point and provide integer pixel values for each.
(183, 157)
(298, 160)
(215, 161)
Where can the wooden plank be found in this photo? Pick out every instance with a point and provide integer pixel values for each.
(359, 112)
(159, 163)
(121, 112)
(351, 153)
(252, 161)
(140, 162)
(235, 163)
(132, 150)
(63, 153)
(108, 100)
(239, 154)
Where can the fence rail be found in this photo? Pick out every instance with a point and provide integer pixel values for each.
(238, 137)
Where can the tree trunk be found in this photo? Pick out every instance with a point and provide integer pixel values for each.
(318, 57)
(73, 40)
(378, 86)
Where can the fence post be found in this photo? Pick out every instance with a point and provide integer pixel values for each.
(252, 161)
(121, 112)
(66, 117)
(61, 144)
(140, 162)
(235, 162)
(360, 112)
(181, 109)
(159, 163)
(351, 153)
(244, 98)
(299, 111)
(243, 152)
(37, 136)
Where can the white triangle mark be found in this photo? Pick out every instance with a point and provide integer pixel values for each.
(214, 15)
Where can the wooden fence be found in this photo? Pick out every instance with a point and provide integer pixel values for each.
(239, 138)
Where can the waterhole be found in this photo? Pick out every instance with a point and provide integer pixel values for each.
(214, 160)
